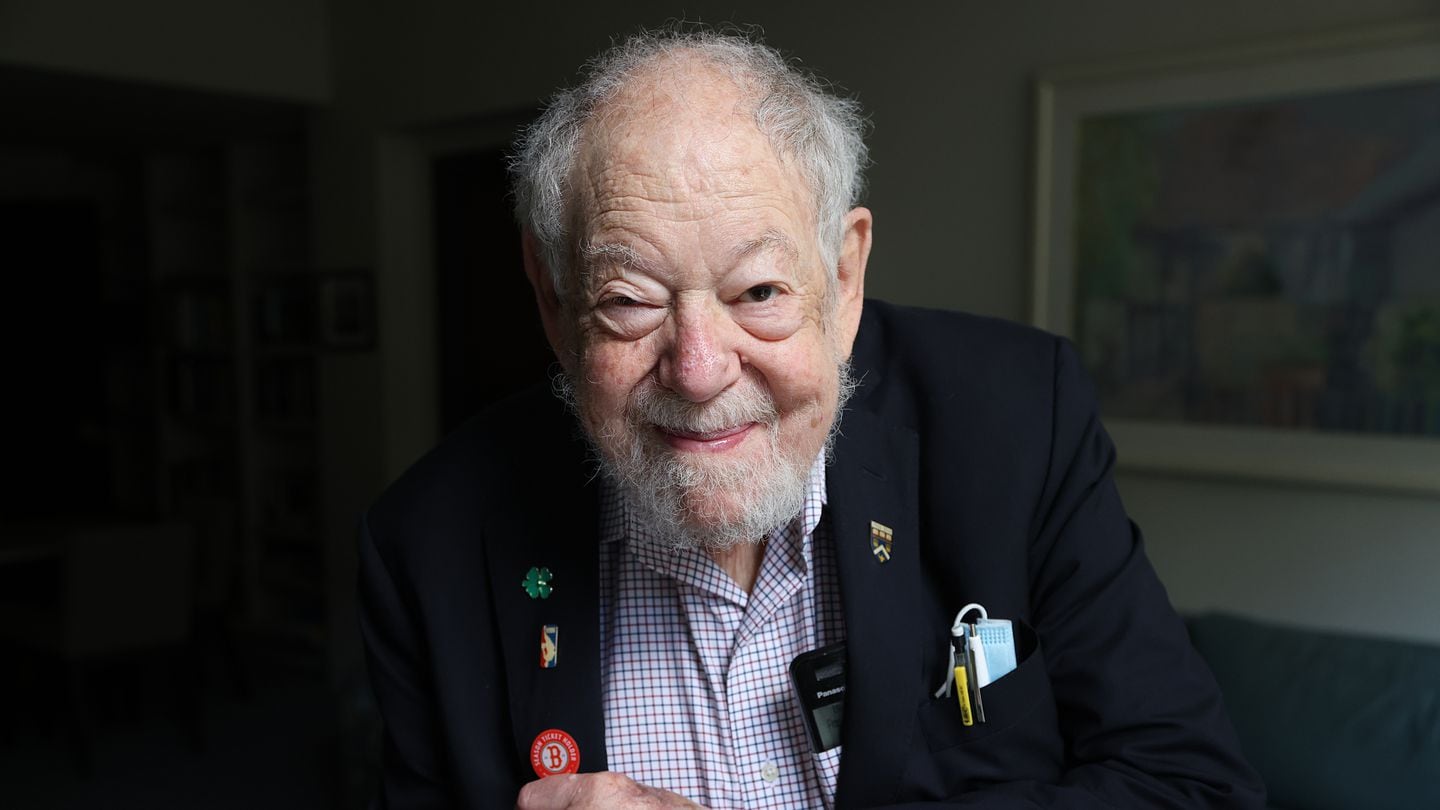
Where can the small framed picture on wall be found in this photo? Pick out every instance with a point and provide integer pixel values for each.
(347, 311)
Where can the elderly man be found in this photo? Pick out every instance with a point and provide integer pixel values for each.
(783, 468)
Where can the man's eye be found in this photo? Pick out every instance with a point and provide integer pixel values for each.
(619, 301)
(761, 293)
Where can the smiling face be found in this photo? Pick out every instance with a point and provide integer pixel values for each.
(702, 334)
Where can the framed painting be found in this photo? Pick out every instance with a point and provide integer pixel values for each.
(1245, 247)
(347, 310)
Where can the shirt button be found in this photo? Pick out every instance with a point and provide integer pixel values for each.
(769, 772)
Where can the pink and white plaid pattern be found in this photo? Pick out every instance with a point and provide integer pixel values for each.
(696, 672)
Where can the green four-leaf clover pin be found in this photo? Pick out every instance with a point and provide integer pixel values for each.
(537, 583)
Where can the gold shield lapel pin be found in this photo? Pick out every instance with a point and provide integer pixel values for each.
(881, 538)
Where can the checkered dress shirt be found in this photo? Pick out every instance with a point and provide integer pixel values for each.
(695, 671)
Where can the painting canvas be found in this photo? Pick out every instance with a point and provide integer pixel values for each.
(1245, 248)
(1270, 263)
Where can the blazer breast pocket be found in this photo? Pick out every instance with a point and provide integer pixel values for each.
(1012, 700)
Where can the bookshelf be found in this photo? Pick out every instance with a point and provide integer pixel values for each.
(238, 361)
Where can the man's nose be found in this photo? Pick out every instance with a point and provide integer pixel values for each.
(700, 361)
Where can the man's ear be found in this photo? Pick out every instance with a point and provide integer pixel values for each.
(850, 274)
(547, 300)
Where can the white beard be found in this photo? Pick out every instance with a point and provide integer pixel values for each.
(706, 503)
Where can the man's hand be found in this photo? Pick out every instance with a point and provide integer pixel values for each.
(595, 790)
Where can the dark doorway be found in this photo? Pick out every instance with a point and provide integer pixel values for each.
(491, 341)
(54, 332)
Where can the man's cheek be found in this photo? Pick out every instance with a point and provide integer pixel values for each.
(801, 388)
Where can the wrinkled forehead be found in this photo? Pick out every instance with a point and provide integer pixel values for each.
(686, 131)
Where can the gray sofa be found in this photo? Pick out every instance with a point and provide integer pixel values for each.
(1330, 720)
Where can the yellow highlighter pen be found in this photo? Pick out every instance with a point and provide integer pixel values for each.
(962, 691)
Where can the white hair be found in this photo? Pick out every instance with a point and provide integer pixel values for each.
(796, 110)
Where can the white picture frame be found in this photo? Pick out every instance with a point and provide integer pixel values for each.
(1350, 60)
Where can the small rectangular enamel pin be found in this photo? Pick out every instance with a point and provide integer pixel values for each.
(549, 646)
(881, 538)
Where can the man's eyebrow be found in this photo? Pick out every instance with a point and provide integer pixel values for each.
(593, 257)
(771, 239)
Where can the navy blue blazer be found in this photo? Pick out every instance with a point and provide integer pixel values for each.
(976, 441)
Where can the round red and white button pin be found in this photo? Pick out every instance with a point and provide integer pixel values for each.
(554, 752)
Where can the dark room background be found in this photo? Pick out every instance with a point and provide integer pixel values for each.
(258, 258)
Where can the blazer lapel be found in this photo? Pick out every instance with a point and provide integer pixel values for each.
(558, 531)
(874, 477)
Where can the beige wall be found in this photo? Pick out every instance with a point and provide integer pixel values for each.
(272, 48)
(1330, 558)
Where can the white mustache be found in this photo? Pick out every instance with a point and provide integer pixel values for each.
(735, 407)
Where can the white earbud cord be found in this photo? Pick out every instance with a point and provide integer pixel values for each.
(957, 631)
